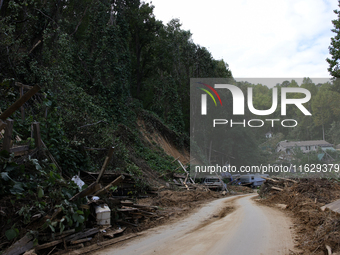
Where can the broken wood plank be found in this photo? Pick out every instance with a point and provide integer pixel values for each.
(148, 213)
(47, 245)
(21, 246)
(94, 187)
(276, 188)
(126, 202)
(334, 206)
(80, 235)
(176, 182)
(145, 206)
(268, 179)
(81, 240)
(127, 209)
(37, 137)
(176, 159)
(111, 233)
(106, 162)
(179, 175)
(286, 179)
(64, 233)
(116, 181)
(19, 148)
(102, 244)
(19, 102)
(185, 170)
(7, 142)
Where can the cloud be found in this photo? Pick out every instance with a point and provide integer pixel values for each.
(282, 38)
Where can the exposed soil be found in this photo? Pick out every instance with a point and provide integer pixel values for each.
(153, 136)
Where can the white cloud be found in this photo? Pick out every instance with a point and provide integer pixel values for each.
(263, 38)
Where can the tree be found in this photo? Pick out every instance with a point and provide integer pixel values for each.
(325, 107)
(334, 48)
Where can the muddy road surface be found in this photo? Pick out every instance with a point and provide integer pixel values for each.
(233, 225)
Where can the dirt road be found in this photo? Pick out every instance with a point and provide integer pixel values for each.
(247, 228)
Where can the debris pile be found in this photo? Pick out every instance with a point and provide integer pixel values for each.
(318, 227)
(44, 211)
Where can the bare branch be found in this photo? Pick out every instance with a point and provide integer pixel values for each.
(79, 22)
(46, 16)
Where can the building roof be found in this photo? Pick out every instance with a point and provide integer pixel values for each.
(321, 143)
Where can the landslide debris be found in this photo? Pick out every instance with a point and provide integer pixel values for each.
(316, 229)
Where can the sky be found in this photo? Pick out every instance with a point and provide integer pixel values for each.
(262, 38)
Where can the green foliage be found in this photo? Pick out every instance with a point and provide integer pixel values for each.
(334, 48)
(12, 233)
(301, 158)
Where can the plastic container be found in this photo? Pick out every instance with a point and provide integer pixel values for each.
(103, 214)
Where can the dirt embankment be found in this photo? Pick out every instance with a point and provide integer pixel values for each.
(303, 200)
(155, 136)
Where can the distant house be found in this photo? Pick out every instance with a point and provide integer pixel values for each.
(305, 146)
(269, 135)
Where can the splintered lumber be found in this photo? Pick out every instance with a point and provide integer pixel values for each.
(19, 247)
(64, 234)
(276, 188)
(81, 240)
(269, 179)
(47, 245)
(94, 187)
(185, 170)
(81, 235)
(126, 202)
(285, 179)
(116, 181)
(334, 206)
(127, 209)
(102, 244)
(111, 233)
(145, 207)
(329, 250)
(6, 145)
(179, 175)
(148, 213)
(19, 102)
(176, 159)
(106, 162)
(176, 182)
